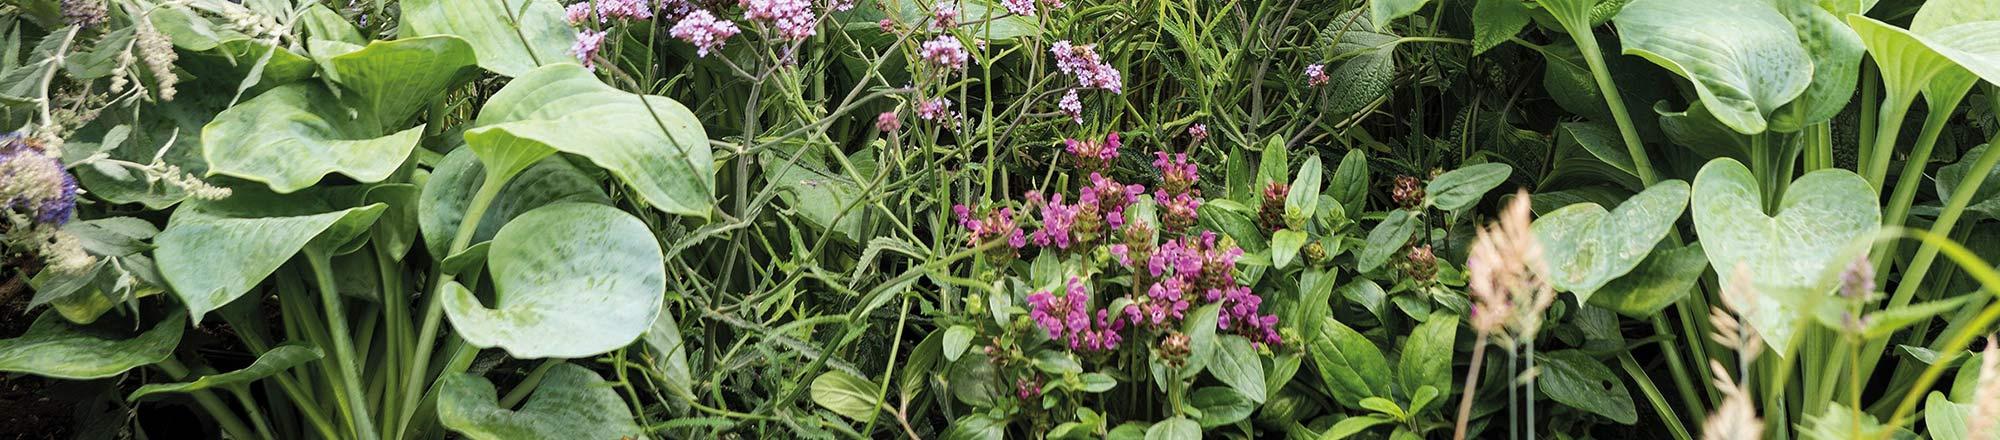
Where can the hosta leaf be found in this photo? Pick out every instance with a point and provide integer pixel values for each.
(1947, 420)
(1460, 188)
(393, 80)
(1235, 363)
(1826, 220)
(1350, 365)
(55, 348)
(1940, 14)
(213, 253)
(653, 144)
(1666, 276)
(571, 280)
(1744, 58)
(669, 352)
(846, 394)
(571, 402)
(510, 37)
(293, 135)
(1698, 130)
(213, 46)
(1587, 247)
(271, 362)
(1985, 199)
(1835, 51)
(453, 183)
(1577, 380)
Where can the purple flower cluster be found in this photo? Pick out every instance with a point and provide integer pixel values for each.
(1094, 155)
(945, 51)
(1072, 106)
(793, 19)
(1316, 75)
(608, 10)
(994, 224)
(1068, 318)
(1091, 72)
(701, 29)
(1202, 265)
(1177, 196)
(945, 16)
(888, 121)
(937, 109)
(1025, 8)
(1198, 131)
(32, 182)
(588, 42)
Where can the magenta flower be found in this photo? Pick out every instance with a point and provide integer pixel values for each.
(1316, 75)
(935, 109)
(588, 42)
(1057, 220)
(1198, 131)
(1067, 319)
(1094, 155)
(946, 16)
(793, 19)
(1071, 106)
(704, 31)
(1091, 72)
(995, 224)
(1177, 174)
(946, 52)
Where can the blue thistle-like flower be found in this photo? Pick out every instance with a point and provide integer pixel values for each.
(34, 183)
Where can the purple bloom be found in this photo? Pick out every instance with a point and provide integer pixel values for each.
(946, 16)
(577, 13)
(1071, 106)
(936, 109)
(888, 121)
(995, 224)
(1025, 8)
(842, 5)
(1057, 219)
(588, 42)
(1177, 174)
(1316, 75)
(1090, 71)
(1094, 155)
(34, 183)
(1198, 131)
(625, 9)
(793, 19)
(704, 31)
(945, 51)
(1067, 319)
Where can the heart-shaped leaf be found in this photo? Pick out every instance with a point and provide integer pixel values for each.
(453, 183)
(391, 81)
(1826, 220)
(272, 362)
(1744, 57)
(653, 144)
(571, 280)
(212, 253)
(510, 37)
(571, 402)
(293, 135)
(1587, 247)
(1985, 200)
(53, 347)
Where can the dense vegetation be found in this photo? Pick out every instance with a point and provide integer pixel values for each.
(1159, 219)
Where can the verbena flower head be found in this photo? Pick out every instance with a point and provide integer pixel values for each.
(1072, 106)
(701, 29)
(588, 42)
(607, 10)
(888, 121)
(1316, 75)
(945, 51)
(792, 19)
(33, 183)
(937, 109)
(1198, 131)
(577, 13)
(1091, 72)
(842, 5)
(945, 16)
(1025, 8)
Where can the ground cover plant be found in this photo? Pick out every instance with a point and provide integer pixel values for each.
(962, 219)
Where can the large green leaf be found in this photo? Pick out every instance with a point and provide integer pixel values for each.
(270, 363)
(212, 253)
(1426, 358)
(293, 135)
(1835, 51)
(510, 37)
(846, 394)
(1666, 276)
(457, 178)
(1587, 247)
(571, 402)
(1826, 220)
(1387, 237)
(214, 46)
(1577, 380)
(1351, 367)
(668, 353)
(1370, 66)
(1235, 363)
(391, 81)
(1381, 12)
(53, 347)
(653, 144)
(1496, 21)
(1985, 199)
(571, 280)
(1744, 58)
(1460, 188)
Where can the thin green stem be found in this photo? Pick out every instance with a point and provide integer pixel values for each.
(345, 361)
(1653, 396)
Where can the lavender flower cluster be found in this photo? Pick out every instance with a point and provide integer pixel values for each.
(1173, 269)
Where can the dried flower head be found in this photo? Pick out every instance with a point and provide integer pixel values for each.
(1736, 418)
(1739, 299)
(1506, 274)
(84, 13)
(1408, 192)
(1857, 281)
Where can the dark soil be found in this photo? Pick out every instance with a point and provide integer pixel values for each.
(30, 406)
